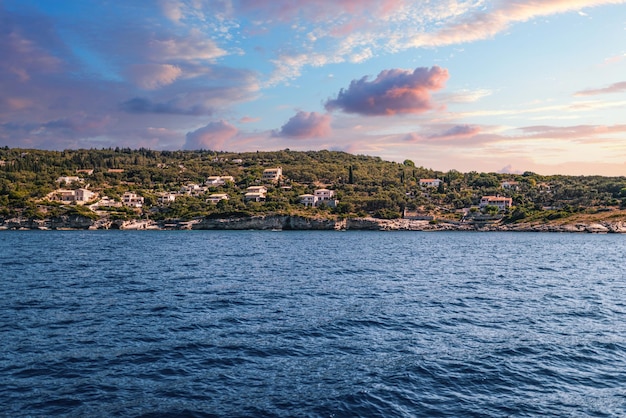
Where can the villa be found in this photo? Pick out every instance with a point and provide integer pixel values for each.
(78, 195)
(510, 185)
(430, 182)
(69, 179)
(319, 196)
(216, 197)
(166, 198)
(219, 180)
(272, 174)
(502, 203)
(132, 200)
(193, 189)
(255, 194)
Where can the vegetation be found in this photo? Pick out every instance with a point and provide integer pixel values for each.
(363, 185)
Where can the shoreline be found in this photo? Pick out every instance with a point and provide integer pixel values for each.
(300, 223)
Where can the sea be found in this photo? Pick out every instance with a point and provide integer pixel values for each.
(312, 324)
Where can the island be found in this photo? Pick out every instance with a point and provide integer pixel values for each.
(146, 189)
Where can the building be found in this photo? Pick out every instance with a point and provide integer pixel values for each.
(502, 203)
(257, 189)
(510, 185)
(132, 200)
(273, 174)
(88, 171)
(308, 199)
(166, 198)
(216, 197)
(324, 194)
(430, 182)
(255, 194)
(69, 179)
(83, 195)
(193, 189)
(107, 202)
(319, 197)
(219, 180)
(78, 196)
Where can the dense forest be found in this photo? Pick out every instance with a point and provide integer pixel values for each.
(363, 186)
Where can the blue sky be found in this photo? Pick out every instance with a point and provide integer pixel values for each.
(484, 85)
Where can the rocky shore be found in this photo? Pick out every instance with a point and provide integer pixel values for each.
(286, 222)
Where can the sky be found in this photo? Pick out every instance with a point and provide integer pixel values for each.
(471, 85)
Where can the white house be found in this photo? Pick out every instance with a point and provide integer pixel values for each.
(272, 174)
(324, 194)
(502, 203)
(509, 184)
(308, 199)
(83, 195)
(430, 182)
(216, 197)
(108, 202)
(256, 189)
(69, 179)
(237, 160)
(78, 196)
(254, 197)
(65, 195)
(319, 196)
(255, 194)
(132, 200)
(219, 180)
(193, 189)
(166, 198)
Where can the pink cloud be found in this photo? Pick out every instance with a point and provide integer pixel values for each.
(22, 52)
(306, 125)
(456, 134)
(484, 25)
(193, 46)
(317, 10)
(153, 76)
(392, 92)
(212, 136)
(249, 119)
(458, 131)
(613, 88)
(578, 132)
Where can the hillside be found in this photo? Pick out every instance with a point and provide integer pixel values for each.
(187, 185)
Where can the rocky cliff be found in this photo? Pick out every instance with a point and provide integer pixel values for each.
(286, 222)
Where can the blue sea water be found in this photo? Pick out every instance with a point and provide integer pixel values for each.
(317, 324)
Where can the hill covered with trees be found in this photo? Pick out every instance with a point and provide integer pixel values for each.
(32, 183)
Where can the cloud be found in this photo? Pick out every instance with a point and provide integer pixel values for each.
(212, 136)
(154, 76)
(306, 125)
(484, 25)
(508, 169)
(582, 133)
(458, 131)
(450, 135)
(192, 47)
(23, 47)
(392, 92)
(320, 10)
(172, 10)
(139, 105)
(613, 88)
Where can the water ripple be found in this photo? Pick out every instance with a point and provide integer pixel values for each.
(260, 324)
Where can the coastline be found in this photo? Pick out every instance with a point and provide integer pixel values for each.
(300, 223)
